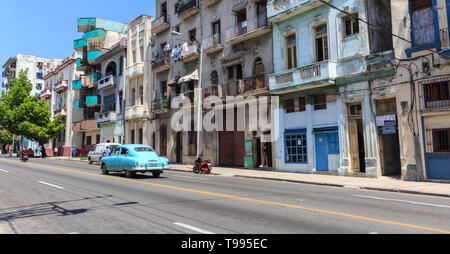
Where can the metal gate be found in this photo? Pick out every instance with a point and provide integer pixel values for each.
(438, 165)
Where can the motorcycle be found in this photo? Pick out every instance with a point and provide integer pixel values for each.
(203, 167)
(24, 157)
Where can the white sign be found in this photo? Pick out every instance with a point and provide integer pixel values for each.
(387, 120)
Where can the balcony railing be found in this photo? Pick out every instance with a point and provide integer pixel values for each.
(137, 111)
(106, 117)
(279, 10)
(213, 43)
(161, 24)
(85, 125)
(187, 8)
(161, 63)
(249, 29)
(109, 81)
(305, 76)
(61, 86)
(191, 54)
(160, 106)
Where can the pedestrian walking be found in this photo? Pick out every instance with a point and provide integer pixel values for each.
(10, 150)
(74, 151)
(265, 160)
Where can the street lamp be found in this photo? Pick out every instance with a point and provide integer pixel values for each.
(199, 115)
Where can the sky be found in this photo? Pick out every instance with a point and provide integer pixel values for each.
(47, 28)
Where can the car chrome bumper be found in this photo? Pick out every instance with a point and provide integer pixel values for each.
(150, 169)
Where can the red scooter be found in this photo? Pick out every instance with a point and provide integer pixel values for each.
(203, 167)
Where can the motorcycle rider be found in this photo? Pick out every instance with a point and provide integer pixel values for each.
(24, 153)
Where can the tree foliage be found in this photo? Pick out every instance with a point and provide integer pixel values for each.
(28, 116)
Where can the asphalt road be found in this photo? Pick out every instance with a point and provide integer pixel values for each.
(61, 197)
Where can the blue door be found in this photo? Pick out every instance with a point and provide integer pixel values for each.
(321, 151)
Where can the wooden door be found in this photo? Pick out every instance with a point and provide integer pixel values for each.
(354, 146)
(163, 141)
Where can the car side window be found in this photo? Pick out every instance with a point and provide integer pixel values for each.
(124, 151)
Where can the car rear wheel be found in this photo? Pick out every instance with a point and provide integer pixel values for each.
(104, 169)
(89, 160)
(129, 174)
(156, 175)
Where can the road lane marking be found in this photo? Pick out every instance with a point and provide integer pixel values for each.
(196, 178)
(6, 171)
(194, 228)
(403, 201)
(51, 185)
(251, 200)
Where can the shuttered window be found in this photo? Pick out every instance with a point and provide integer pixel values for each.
(441, 141)
(351, 25)
(422, 21)
(291, 44)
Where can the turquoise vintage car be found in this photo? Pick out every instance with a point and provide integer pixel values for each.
(133, 159)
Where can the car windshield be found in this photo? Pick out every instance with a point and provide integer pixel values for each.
(113, 148)
(144, 149)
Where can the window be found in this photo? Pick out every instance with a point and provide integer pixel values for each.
(216, 32)
(144, 149)
(214, 78)
(295, 105)
(441, 141)
(296, 147)
(321, 37)
(291, 45)
(437, 94)
(422, 21)
(192, 36)
(241, 22)
(97, 139)
(124, 151)
(141, 136)
(351, 25)
(333, 143)
(320, 102)
(88, 140)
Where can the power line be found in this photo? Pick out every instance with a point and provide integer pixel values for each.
(383, 29)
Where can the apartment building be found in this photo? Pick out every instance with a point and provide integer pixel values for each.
(138, 82)
(59, 97)
(36, 67)
(99, 36)
(236, 57)
(111, 89)
(326, 60)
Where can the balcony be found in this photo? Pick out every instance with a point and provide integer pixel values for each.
(47, 94)
(212, 44)
(93, 101)
(161, 106)
(305, 77)
(187, 9)
(135, 70)
(208, 3)
(160, 24)
(85, 125)
(89, 24)
(108, 117)
(239, 5)
(95, 35)
(81, 64)
(280, 10)
(77, 84)
(61, 86)
(191, 54)
(247, 30)
(93, 55)
(134, 112)
(91, 79)
(79, 44)
(110, 81)
(160, 64)
(62, 112)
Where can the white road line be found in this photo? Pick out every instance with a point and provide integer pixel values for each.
(4, 170)
(404, 201)
(194, 228)
(197, 178)
(52, 185)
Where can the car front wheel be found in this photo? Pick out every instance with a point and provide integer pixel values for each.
(104, 169)
(156, 175)
(89, 160)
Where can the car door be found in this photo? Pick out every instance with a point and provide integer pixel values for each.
(122, 159)
(112, 160)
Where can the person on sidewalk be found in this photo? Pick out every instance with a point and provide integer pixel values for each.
(265, 160)
(74, 151)
(10, 150)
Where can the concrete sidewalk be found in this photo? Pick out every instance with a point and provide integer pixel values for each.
(381, 184)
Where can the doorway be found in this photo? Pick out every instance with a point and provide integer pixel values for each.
(179, 147)
(388, 137)
(356, 138)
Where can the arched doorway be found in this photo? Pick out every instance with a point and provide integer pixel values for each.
(111, 69)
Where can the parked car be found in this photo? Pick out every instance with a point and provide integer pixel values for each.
(133, 159)
(96, 153)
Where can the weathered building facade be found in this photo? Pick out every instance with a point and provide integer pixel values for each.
(99, 35)
(201, 47)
